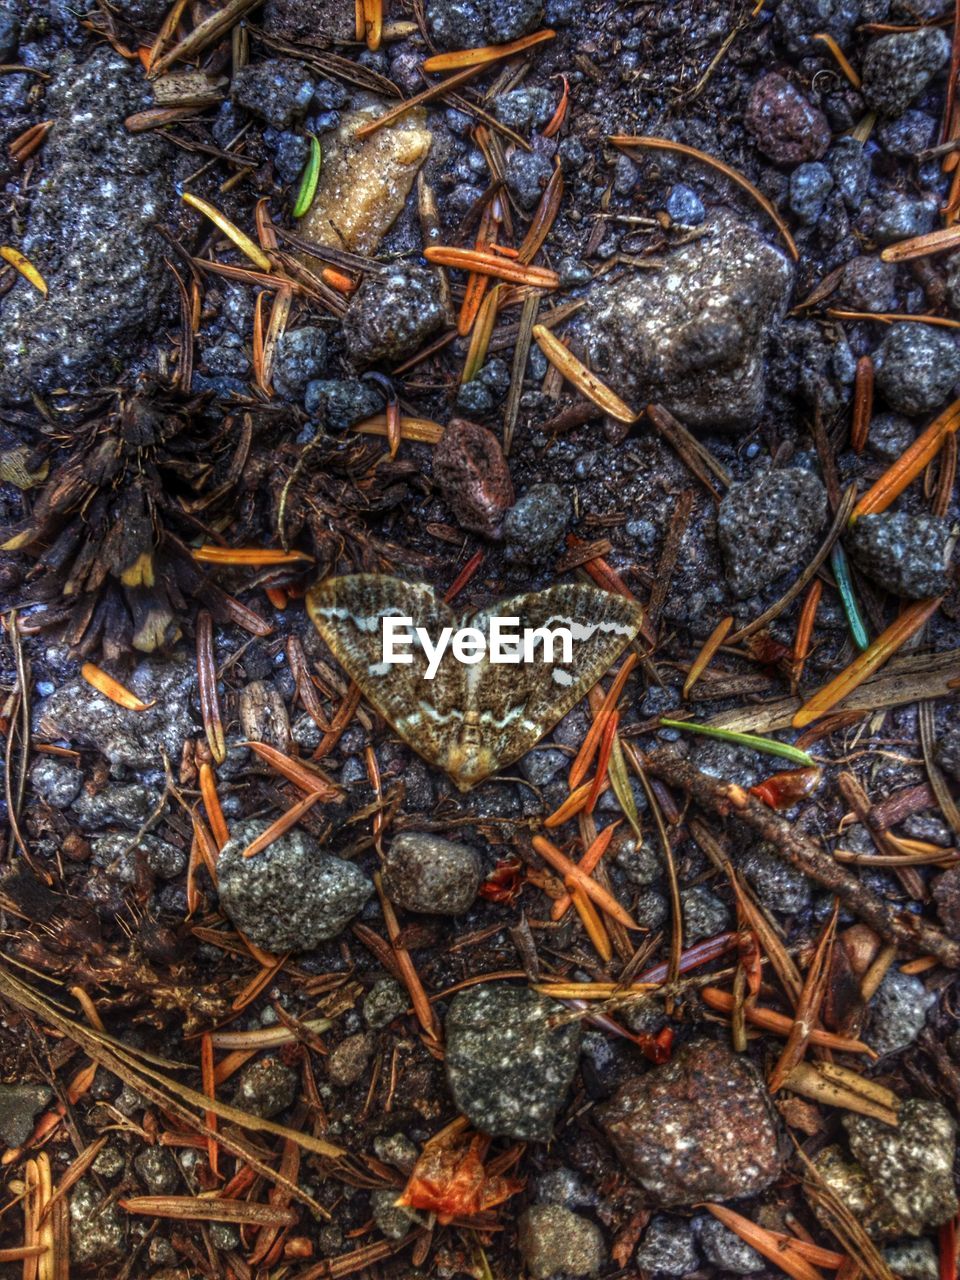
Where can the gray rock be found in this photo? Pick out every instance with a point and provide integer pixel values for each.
(97, 194)
(898, 1012)
(779, 886)
(849, 163)
(909, 1169)
(349, 1059)
(126, 804)
(542, 765)
(703, 913)
(462, 24)
(908, 134)
(668, 1246)
(291, 895)
(474, 398)
(917, 366)
(890, 434)
(526, 175)
(868, 284)
(523, 109)
(398, 1150)
(265, 1088)
(948, 753)
(301, 357)
(9, 36)
(277, 90)
(385, 1001)
(906, 554)
(810, 184)
(424, 872)
(913, 1259)
(554, 1241)
(643, 865)
(109, 1163)
(507, 1069)
(724, 1249)
(158, 1171)
(692, 335)
(341, 403)
(133, 740)
(651, 910)
(897, 68)
(393, 1221)
(290, 155)
(685, 206)
(769, 523)
(98, 1227)
(953, 282)
(797, 21)
(119, 856)
(535, 523)
(727, 762)
(19, 1104)
(679, 1128)
(392, 314)
(901, 217)
(57, 784)
(563, 1186)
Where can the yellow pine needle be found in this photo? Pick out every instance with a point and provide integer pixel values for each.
(705, 656)
(485, 53)
(592, 923)
(230, 230)
(113, 689)
(253, 556)
(26, 268)
(482, 333)
(279, 314)
(373, 23)
(883, 648)
(580, 376)
(920, 246)
(627, 141)
(910, 464)
(490, 264)
(421, 429)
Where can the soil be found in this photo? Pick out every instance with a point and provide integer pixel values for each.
(166, 393)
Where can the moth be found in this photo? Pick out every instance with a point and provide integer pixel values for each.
(471, 718)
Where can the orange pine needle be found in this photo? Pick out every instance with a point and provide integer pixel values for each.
(705, 656)
(880, 651)
(591, 742)
(588, 864)
(282, 825)
(485, 263)
(209, 1087)
(808, 615)
(113, 690)
(665, 144)
(421, 429)
(862, 404)
(300, 774)
(207, 686)
(891, 317)
(555, 122)
(574, 804)
(543, 218)
(774, 1249)
(576, 372)
(592, 924)
(463, 577)
(577, 879)
(919, 246)
(421, 1003)
(373, 23)
(780, 1024)
(485, 53)
(842, 61)
(338, 280)
(255, 557)
(211, 802)
(603, 759)
(277, 597)
(910, 464)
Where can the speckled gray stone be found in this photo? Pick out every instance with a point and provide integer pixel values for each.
(897, 68)
(393, 1221)
(392, 314)
(98, 1227)
(97, 193)
(462, 24)
(349, 1059)
(507, 1069)
(291, 895)
(905, 553)
(693, 334)
(534, 525)
(769, 523)
(385, 1001)
(779, 886)
(703, 913)
(679, 1128)
(897, 1012)
(913, 1259)
(132, 740)
(909, 1169)
(424, 872)
(668, 1246)
(277, 90)
(157, 1170)
(916, 367)
(265, 1088)
(554, 1241)
(19, 1104)
(56, 783)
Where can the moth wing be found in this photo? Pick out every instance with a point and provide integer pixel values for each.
(518, 704)
(348, 612)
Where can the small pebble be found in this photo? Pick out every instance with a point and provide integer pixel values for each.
(897, 68)
(340, 403)
(768, 524)
(668, 1246)
(554, 1241)
(685, 206)
(473, 476)
(810, 184)
(536, 523)
(785, 126)
(424, 872)
(917, 367)
(277, 90)
(391, 315)
(348, 1061)
(906, 554)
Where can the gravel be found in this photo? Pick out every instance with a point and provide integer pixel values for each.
(348, 1061)
(898, 1012)
(768, 524)
(98, 1227)
(19, 1104)
(392, 314)
(906, 554)
(535, 525)
(277, 90)
(424, 872)
(691, 335)
(291, 895)
(507, 1070)
(301, 357)
(340, 403)
(554, 1241)
(463, 24)
(810, 184)
(724, 1249)
(668, 1246)
(265, 1088)
(917, 366)
(679, 1129)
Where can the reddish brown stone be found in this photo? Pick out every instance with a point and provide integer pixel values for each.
(702, 1127)
(785, 126)
(474, 479)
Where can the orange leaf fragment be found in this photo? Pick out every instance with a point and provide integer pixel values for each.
(910, 464)
(113, 689)
(451, 1182)
(253, 556)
